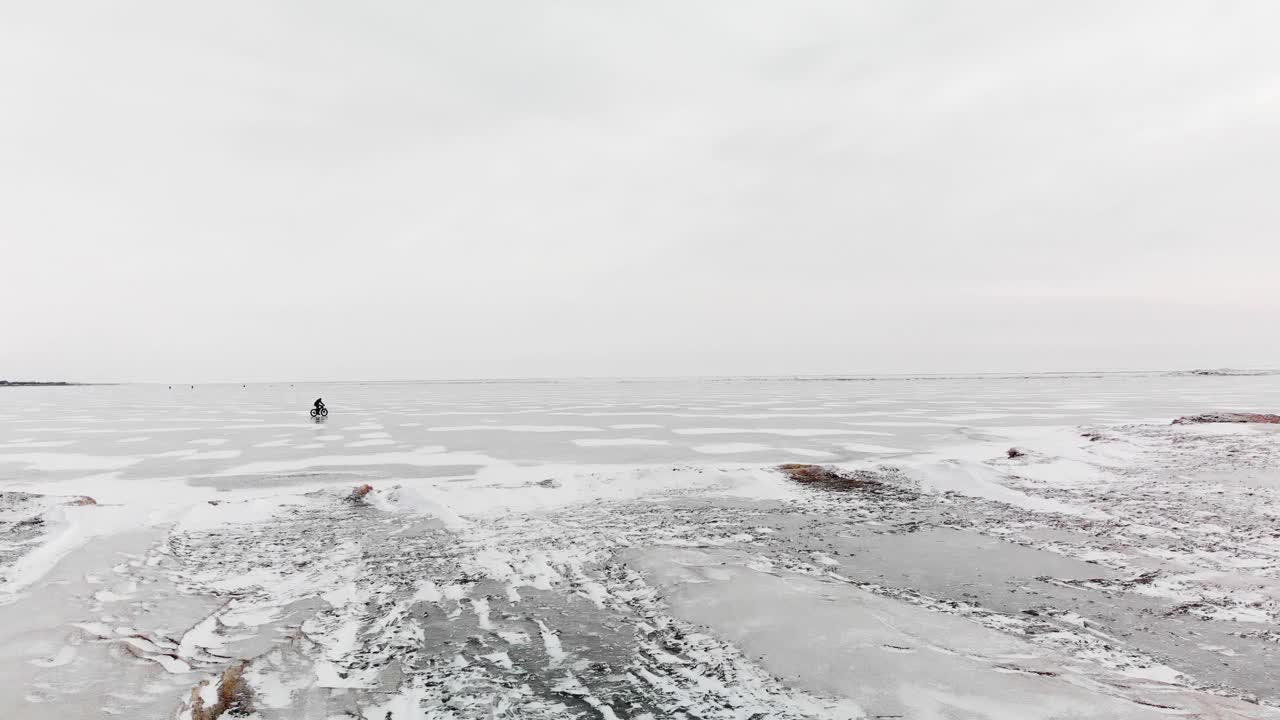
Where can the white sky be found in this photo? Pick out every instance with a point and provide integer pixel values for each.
(300, 190)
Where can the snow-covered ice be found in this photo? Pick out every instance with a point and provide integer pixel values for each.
(507, 562)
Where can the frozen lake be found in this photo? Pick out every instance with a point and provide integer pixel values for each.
(157, 430)
(606, 548)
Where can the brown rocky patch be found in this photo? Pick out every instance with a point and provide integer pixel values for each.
(829, 478)
(235, 699)
(1227, 417)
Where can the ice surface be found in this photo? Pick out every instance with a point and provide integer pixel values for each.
(893, 659)
(731, 448)
(519, 558)
(872, 449)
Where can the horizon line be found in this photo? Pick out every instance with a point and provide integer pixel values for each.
(1211, 372)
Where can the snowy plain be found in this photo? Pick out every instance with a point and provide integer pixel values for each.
(628, 549)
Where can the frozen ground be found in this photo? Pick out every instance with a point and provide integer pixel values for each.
(628, 549)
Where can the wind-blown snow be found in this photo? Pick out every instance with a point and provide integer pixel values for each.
(549, 570)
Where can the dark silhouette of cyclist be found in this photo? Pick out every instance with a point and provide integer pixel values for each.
(319, 404)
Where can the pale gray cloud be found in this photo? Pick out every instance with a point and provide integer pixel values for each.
(249, 190)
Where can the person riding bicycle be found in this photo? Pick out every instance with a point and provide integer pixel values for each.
(319, 404)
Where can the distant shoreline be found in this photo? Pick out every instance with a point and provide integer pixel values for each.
(36, 383)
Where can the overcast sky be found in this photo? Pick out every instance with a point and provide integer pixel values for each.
(308, 190)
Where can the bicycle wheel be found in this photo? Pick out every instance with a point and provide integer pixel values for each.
(324, 412)
(314, 412)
